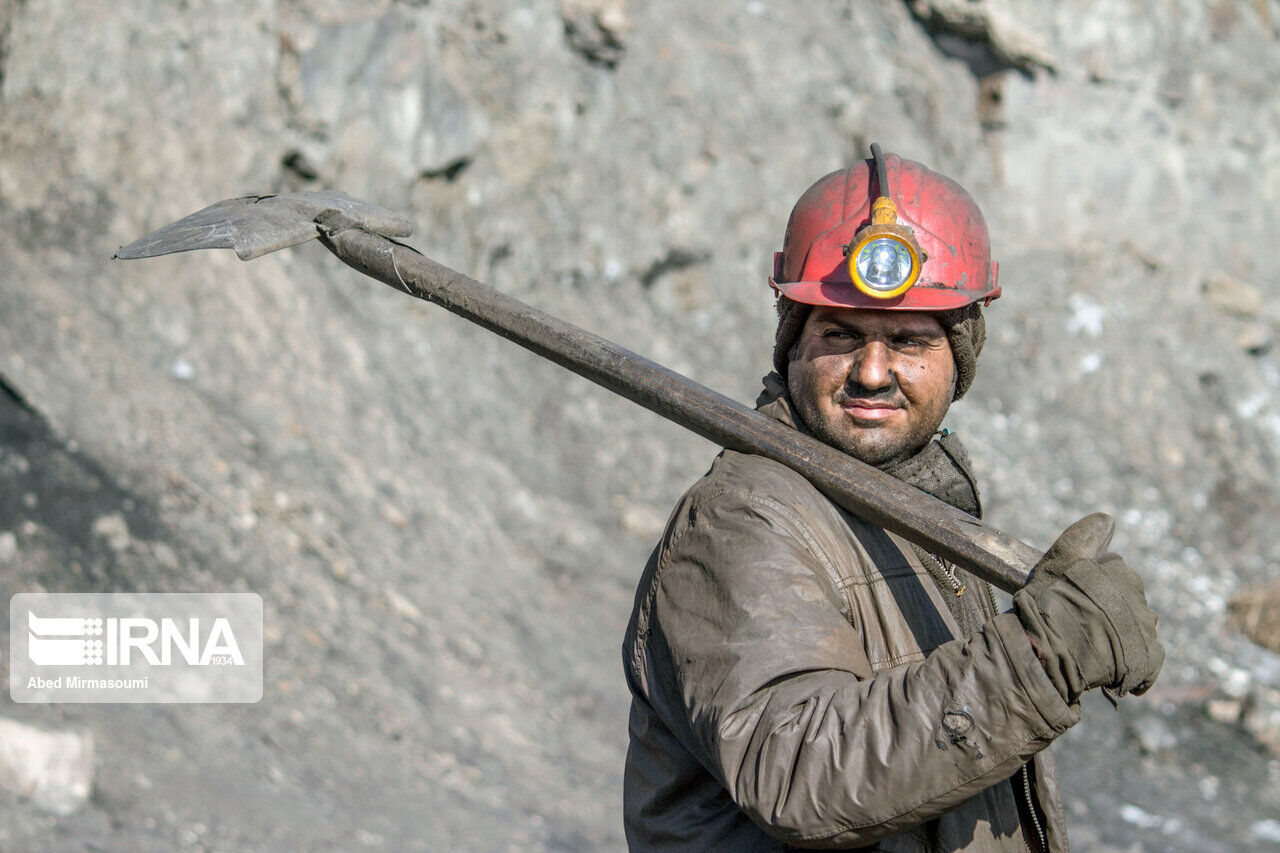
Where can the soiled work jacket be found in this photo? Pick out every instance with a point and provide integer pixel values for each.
(797, 682)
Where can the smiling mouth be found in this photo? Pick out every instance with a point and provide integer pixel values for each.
(870, 410)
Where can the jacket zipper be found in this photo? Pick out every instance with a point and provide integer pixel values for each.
(949, 571)
(1031, 809)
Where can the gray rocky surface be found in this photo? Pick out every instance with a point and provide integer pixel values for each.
(52, 770)
(445, 531)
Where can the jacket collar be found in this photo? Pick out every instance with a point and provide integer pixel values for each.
(775, 402)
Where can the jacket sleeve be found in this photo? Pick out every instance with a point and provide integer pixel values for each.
(753, 665)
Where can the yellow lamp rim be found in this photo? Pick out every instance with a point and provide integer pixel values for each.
(875, 233)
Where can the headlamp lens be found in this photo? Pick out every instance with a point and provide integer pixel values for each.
(884, 264)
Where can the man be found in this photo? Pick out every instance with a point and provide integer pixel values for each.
(802, 678)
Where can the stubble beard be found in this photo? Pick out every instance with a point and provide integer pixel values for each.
(875, 445)
(872, 445)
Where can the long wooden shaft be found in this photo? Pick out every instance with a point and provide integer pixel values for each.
(857, 487)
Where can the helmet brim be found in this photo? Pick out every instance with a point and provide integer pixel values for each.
(843, 294)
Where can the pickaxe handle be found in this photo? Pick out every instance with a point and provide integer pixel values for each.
(362, 235)
(859, 488)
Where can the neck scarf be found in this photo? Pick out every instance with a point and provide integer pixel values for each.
(943, 469)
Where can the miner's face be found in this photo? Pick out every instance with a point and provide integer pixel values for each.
(874, 383)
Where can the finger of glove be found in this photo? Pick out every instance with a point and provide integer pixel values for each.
(1139, 677)
(1157, 659)
(1114, 617)
(1087, 631)
(1119, 572)
(1132, 630)
(1147, 664)
(1084, 540)
(1117, 590)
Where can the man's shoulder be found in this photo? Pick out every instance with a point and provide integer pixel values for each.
(746, 500)
(740, 490)
(749, 523)
(746, 477)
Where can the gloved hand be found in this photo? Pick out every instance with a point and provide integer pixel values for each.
(1087, 615)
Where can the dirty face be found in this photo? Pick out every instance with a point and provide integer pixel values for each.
(875, 384)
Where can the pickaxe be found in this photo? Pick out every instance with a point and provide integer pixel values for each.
(363, 236)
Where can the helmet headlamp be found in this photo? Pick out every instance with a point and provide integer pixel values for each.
(884, 259)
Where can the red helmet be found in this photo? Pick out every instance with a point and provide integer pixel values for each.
(921, 245)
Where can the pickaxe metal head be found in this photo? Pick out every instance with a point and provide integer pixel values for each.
(257, 224)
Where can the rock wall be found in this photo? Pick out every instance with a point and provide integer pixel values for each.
(447, 531)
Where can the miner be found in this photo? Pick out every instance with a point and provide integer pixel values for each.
(802, 678)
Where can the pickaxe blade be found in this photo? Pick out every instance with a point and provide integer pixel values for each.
(257, 224)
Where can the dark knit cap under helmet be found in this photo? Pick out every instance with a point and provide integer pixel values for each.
(966, 331)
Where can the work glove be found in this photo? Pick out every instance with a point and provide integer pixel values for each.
(1087, 616)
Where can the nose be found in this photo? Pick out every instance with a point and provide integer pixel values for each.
(873, 368)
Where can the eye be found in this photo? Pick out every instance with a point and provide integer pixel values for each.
(914, 343)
